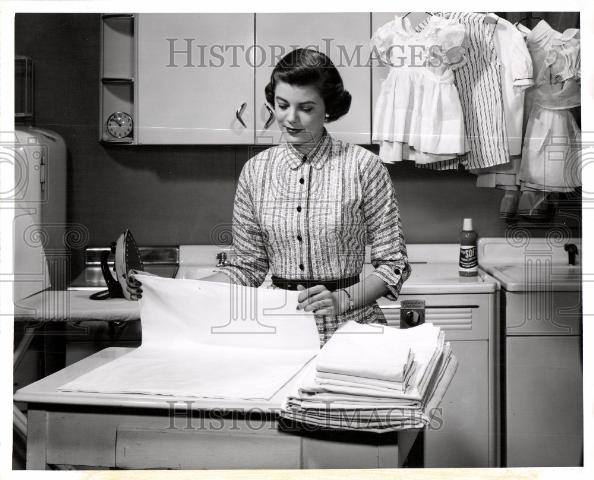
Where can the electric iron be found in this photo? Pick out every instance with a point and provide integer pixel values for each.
(126, 258)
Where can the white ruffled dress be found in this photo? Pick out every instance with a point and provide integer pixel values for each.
(418, 114)
(551, 155)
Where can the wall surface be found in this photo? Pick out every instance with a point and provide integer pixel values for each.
(173, 195)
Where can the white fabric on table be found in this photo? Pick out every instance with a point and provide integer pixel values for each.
(349, 380)
(328, 400)
(375, 351)
(210, 340)
(350, 412)
(209, 372)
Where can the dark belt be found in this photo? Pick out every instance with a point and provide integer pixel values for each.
(331, 285)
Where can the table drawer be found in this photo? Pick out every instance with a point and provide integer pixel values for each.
(141, 448)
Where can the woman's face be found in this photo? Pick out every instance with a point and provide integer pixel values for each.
(300, 112)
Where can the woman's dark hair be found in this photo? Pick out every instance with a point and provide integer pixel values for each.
(305, 66)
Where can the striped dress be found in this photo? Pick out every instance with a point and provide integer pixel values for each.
(310, 217)
(480, 89)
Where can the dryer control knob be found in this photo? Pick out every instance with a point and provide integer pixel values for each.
(412, 318)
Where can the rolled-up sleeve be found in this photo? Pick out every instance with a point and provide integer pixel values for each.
(248, 264)
(384, 228)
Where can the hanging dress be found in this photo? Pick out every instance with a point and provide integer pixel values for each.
(516, 76)
(551, 154)
(418, 114)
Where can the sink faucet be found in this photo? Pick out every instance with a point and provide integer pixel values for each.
(222, 259)
(572, 251)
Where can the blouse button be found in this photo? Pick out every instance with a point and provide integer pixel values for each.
(299, 238)
(299, 208)
(301, 267)
(301, 180)
(397, 271)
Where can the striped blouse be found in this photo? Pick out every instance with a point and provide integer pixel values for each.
(311, 216)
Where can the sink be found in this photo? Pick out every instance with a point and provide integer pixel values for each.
(544, 275)
(567, 270)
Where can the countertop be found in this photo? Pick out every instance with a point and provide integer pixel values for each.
(537, 276)
(75, 305)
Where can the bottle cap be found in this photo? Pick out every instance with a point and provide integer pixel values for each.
(467, 224)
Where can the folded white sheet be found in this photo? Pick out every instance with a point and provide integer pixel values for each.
(376, 351)
(351, 402)
(324, 378)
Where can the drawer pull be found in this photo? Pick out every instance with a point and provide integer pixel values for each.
(270, 116)
(239, 113)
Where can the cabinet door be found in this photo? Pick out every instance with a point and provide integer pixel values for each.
(194, 73)
(458, 435)
(344, 37)
(544, 402)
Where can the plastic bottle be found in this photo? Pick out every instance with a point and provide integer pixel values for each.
(468, 250)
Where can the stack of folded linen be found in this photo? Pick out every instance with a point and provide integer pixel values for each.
(374, 378)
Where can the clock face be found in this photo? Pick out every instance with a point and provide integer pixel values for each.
(119, 125)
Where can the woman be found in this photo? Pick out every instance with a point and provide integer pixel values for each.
(306, 208)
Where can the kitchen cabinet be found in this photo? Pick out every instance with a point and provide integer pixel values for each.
(344, 37)
(544, 420)
(189, 88)
(544, 401)
(200, 78)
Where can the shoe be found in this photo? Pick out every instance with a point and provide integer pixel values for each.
(534, 205)
(508, 208)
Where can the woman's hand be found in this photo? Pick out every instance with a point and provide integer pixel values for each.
(319, 300)
(133, 286)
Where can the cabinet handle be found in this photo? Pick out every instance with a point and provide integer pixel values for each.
(239, 113)
(270, 116)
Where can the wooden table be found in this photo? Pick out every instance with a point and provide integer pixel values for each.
(152, 431)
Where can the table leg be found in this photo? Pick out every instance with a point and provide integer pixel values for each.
(22, 347)
(19, 419)
(19, 422)
(416, 455)
(37, 440)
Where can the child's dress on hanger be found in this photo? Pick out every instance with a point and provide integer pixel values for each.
(418, 115)
(551, 155)
(516, 76)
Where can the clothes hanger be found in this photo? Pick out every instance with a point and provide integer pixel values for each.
(408, 13)
(530, 16)
(490, 18)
